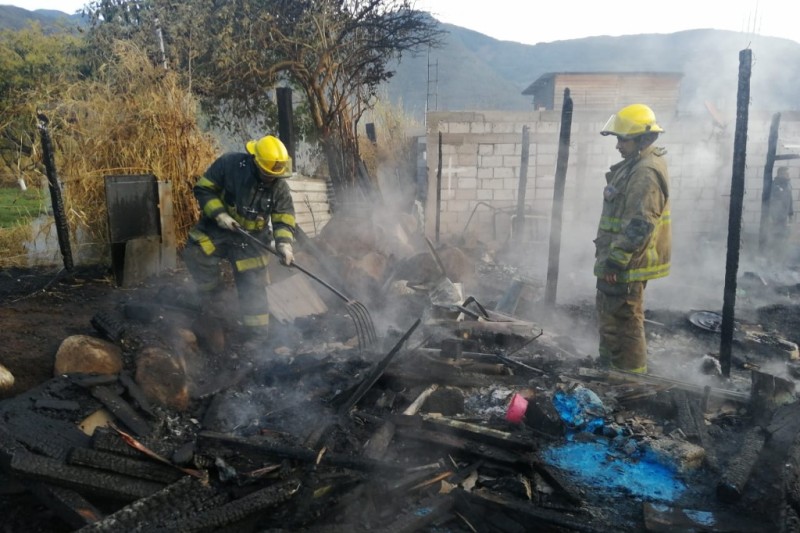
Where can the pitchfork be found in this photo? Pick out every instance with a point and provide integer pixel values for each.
(365, 328)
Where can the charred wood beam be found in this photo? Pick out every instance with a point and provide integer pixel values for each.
(426, 373)
(476, 432)
(136, 468)
(57, 405)
(68, 505)
(46, 436)
(559, 482)
(740, 466)
(107, 440)
(700, 390)
(380, 440)
(532, 516)
(659, 517)
(212, 443)
(82, 480)
(427, 512)
(377, 371)
(684, 415)
(174, 501)
(468, 447)
(237, 510)
(136, 392)
(122, 410)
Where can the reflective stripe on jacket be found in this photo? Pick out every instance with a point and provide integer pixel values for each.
(634, 236)
(232, 184)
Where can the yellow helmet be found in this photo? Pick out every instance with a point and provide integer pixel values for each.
(271, 156)
(632, 121)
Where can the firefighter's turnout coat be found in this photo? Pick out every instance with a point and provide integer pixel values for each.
(634, 241)
(634, 237)
(232, 185)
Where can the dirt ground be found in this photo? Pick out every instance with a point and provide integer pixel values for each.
(40, 308)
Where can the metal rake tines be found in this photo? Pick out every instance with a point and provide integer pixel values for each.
(365, 328)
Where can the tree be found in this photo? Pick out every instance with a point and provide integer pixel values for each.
(36, 69)
(234, 52)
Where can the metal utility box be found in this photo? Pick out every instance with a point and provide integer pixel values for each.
(140, 226)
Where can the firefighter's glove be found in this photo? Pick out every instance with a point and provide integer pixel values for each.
(286, 253)
(225, 221)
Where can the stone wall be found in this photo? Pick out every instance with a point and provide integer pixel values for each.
(480, 175)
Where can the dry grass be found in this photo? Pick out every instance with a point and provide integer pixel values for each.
(12, 245)
(136, 119)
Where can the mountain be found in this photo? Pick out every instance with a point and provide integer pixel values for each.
(471, 71)
(17, 18)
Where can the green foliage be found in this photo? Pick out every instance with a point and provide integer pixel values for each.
(17, 207)
(233, 54)
(36, 70)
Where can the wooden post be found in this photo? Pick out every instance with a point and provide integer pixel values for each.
(735, 213)
(439, 190)
(519, 225)
(558, 200)
(766, 192)
(59, 212)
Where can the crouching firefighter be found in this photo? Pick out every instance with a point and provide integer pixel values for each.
(634, 238)
(242, 191)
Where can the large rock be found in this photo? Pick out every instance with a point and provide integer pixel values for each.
(89, 355)
(162, 377)
(6, 379)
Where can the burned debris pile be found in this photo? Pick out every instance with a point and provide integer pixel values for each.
(471, 411)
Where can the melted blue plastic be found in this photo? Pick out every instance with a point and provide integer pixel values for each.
(580, 409)
(595, 464)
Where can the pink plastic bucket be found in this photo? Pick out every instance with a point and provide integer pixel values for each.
(516, 409)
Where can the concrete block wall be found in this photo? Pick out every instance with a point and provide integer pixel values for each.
(480, 175)
(481, 157)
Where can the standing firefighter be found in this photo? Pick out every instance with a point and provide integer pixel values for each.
(634, 238)
(781, 212)
(242, 191)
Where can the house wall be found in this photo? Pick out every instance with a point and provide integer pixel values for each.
(480, 176)
(603, 91)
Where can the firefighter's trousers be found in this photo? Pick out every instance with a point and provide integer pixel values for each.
(620, 318)
(203, 254)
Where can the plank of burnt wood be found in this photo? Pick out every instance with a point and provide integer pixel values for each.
(212, 443)
(47, 436)
(685, 419)
(423, 514)
(738, 470)
(471, 448)
(136, 393)
(9, 446)
(80, 479)
(379, 441)
(426, 373)
(534, 517)
(237, 510)
(135, 468)
(556, 478)
(377, 371)
(57, 405)
(180, 499)
(476, 432)
(622, 376)
(70, 506)
(88, 381)
(105, 439)
(122, 410)
(661, 518)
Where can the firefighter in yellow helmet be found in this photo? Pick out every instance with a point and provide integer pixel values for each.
(634, 237)
(242, 191)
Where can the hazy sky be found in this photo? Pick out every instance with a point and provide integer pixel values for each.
(532, 22)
